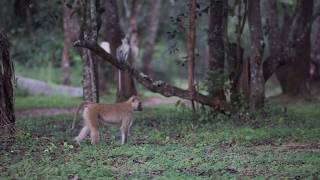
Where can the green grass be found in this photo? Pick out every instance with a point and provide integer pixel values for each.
(58, 101)
(28, 102)
(167, 144)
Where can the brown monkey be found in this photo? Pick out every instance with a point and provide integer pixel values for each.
(95, 114)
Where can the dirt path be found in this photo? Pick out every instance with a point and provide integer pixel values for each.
(154, 101)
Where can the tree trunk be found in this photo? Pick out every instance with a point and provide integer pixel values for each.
(127, 83)
(216, 35)
(28, 18)
(274, 35)
(256, 68)
(7, 117)
(114, 34)
(89, 75)
(315, 55)
(71, 33)
(65, 61)
(293, 77)
(151, 32)
(90, 33)
(191, 37)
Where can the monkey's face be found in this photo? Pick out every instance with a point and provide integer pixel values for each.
(136, 103)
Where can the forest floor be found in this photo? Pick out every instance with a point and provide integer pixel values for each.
(167, 143)
(37, 111)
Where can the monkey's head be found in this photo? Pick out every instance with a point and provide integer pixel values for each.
(135, 103)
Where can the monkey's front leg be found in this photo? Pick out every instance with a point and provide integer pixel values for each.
(124, 131)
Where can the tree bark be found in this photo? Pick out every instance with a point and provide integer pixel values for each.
(293, 77)
(256, 68)
(151, 32)
(274, 35)
(216, 35)
(191, 41)
(315, 55)
(90, 33)
(7, 78)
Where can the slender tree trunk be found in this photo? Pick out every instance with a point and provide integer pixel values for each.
(65, 61)
(28, 18)
(191, 46)
(256, 68)
(151, 32)
(71, 33)
(216, 35)
(293, 77)
(7, 117)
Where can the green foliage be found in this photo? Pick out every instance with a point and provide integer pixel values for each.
(45, 47)
(166, 144)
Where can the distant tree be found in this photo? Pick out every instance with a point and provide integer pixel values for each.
(256, 69)
(191, 42)
(70, 32)
(294, 75)
(151, 34)
(23, 9)
(216, 40)
(7, 78)
(6, 13)
(315, 54)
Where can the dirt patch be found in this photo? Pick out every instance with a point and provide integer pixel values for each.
(43, 112)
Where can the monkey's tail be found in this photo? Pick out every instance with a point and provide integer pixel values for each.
(81, 105)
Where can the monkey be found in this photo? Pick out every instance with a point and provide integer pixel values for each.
(97, 114)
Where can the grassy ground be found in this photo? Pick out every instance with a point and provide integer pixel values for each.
(167, 144)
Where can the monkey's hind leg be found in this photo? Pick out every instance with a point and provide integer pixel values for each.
(83, 133)
(94, 135)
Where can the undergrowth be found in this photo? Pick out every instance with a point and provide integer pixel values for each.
(166, 143)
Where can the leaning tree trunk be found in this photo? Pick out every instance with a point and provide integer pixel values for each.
(216, 35)
(256, 101)
(293, 77)
(151, 34)
(7, 118)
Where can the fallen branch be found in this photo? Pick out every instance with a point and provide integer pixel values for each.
(152, 85)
